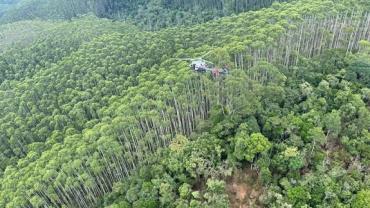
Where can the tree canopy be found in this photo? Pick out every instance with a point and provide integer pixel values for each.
(96, 112)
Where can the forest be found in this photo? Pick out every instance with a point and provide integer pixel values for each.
(148, 14)
(99, 107)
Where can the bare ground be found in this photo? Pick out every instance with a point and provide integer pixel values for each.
(244, 189)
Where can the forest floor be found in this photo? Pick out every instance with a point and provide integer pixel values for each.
(244, 189)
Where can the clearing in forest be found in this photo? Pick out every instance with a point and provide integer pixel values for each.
(244, 189)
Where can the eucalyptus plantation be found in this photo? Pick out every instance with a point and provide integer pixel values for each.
(99, 112)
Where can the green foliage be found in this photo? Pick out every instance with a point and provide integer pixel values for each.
(294, 158)
(358, 70)
(38, 45)
(185, 190)
(23, 33)
(215, 195)
(332, 123)
(149, 14)
(89, 106)
(247, 147)
(362, 199)
(298, 196)
(160, 188)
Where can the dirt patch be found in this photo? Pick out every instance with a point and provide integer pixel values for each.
(244, 189)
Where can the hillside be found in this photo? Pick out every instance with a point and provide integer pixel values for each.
(148, 14)
(102, 113)
(31, 46)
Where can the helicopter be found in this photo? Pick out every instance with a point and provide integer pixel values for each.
(201, 65)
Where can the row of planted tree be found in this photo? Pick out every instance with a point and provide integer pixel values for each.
(130, 117)
(147, 118)
(308, 39)
(82, 84)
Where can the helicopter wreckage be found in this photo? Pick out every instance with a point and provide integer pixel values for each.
(203, 66)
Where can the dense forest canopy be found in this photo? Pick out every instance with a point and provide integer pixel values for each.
(149, 14)
(99, 107)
